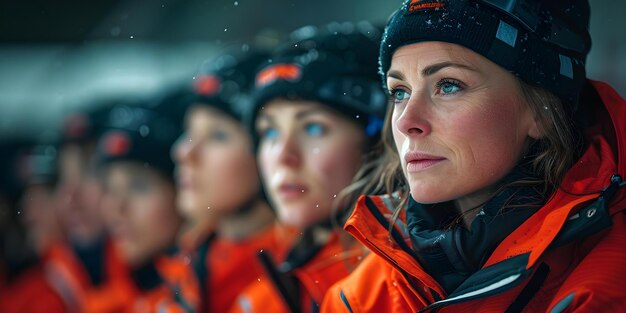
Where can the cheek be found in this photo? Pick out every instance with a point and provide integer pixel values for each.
(154, 216)
(399, 138)
(267, 167)
(266, 161)
(92, 196)
(487, 142)
(335, 165)
(229, 174)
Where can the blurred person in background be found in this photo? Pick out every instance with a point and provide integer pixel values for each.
(38, 200)
(24, 287)
(140, 204)
(219, 189)
(82, 261)
(317, 115)
(79, 191)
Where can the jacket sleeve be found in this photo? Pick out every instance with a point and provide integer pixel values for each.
(597, 283)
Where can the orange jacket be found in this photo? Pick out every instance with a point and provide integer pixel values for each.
(29, 293)
(567, 257)
(191, 279)
(68, 276)
(232, 266)
(119, 292)
(330, 264)
(175, 289)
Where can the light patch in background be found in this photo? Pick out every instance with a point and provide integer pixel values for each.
(43, 83)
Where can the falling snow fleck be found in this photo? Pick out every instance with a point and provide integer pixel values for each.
(316, 150)
(131, 37)
(225, 29)
(302, 190)
(334, 196)
(236, 3)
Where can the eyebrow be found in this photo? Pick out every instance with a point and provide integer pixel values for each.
(430, 70)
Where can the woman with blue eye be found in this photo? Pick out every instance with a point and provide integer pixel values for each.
(317, 113)
(507, 163)
(227, 218)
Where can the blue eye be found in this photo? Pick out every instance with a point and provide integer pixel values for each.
(398, 95)
(314, 129)
(448, 87)
(219, 136)
(269, 133)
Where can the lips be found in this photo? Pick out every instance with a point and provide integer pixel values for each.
(291, 191)
(185, 183)
(418, 161)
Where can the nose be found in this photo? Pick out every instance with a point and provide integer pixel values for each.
(288, 151)
(414, 119)
(67, 196)
(184, 150)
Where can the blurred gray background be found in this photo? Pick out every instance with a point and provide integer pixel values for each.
(57, 56)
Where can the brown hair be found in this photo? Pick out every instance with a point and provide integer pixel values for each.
(553, 154)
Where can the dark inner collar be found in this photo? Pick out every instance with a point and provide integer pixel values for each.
(451, 252)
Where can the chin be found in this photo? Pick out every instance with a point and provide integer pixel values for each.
(187, 205)
(127, 252)
(186, 209)
(294, 220)
(427, 195)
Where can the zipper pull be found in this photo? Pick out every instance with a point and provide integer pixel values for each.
(609, 191)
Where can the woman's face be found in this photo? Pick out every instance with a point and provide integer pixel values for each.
(141, 211)
(79, 193)
(216, 167)
(459, 122)
(40, 216)
(307, 154)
